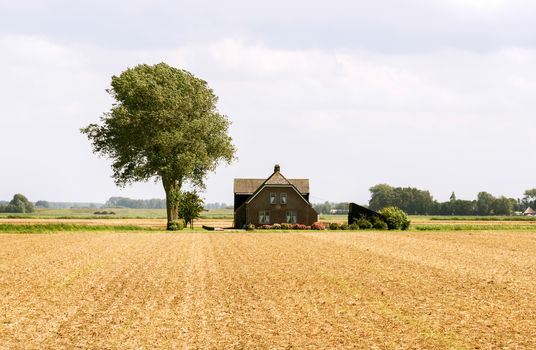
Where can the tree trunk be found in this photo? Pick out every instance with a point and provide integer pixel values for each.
(172, 189)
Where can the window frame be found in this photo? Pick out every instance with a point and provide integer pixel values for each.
(281, 196)
(264, 217)
(290, 215)
(274, 196)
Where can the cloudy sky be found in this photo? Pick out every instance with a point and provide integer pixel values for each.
(434, 94)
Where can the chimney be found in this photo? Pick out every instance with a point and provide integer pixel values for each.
(277, 168)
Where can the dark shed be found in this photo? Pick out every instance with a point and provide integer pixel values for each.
(356, 211)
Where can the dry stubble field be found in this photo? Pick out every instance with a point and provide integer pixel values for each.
(268, 290)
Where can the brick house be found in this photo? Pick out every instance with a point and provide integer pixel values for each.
(272, 200)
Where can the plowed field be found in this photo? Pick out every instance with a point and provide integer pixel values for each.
(268, 290)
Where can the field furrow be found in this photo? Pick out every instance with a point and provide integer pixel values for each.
(142, 290)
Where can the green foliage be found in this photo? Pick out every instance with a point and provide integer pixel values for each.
(42, 204)
(417, 202)
(411, 200)
(250, 227)
(378, 224)
(164, 125)
(327, 207)
(502, 206)
(104, 212)
(53, 228)
(395, 218)
(115, 202)
(334, 226)
(176, 225)
(19, 204)
(363, 224)
(285, 226)
(276, 227)
(529, 200)
(473, 227)
(462, 207)
(353, 227)
(483, 218)
(190, 207)
(484, 202)
(345, 226)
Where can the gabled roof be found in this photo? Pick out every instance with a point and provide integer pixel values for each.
(529, 211)
(277, 179)
(249, 186)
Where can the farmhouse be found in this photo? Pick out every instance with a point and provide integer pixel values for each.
(529, 212)
(272, 200)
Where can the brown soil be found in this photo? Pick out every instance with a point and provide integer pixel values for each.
(268, 290)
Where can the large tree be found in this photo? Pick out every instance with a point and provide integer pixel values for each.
(484, 203)
(19, 204)
(164, 126)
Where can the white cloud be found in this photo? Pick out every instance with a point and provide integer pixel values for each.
(445, 120)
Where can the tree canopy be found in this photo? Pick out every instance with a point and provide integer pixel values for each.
(419, 202)
(165, 126)
(19, 204)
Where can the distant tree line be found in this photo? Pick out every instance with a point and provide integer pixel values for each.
(116, 202)
(331, 208)
(63, 205)
(217, 205)
(124, 202)
(19, 204)
(419, 202)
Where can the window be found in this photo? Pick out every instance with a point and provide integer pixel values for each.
(272, 198)
(283, 198)
(264, 217)
(292, 217)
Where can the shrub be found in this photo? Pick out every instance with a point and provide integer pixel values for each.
(345, 226)
(299, 227)
(285, 226)
(276, 227)
(334, 226)
(266, 227)
(363, 223)
(318, 226)
(249, 227)
(353, 227)
(378, 223)
(176, 225)
(104, 212)
(395, 218)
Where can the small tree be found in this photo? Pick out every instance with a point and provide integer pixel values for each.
(190, 207)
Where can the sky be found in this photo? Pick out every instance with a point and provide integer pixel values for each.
(434, 94)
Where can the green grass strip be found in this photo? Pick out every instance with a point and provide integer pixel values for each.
(482, 218)
(468, 227)
(61, 227)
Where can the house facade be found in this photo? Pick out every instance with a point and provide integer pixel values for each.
(274, 200)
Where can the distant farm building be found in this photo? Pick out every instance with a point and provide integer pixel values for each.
(272, 200)
(356, 212)
(529, 212)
